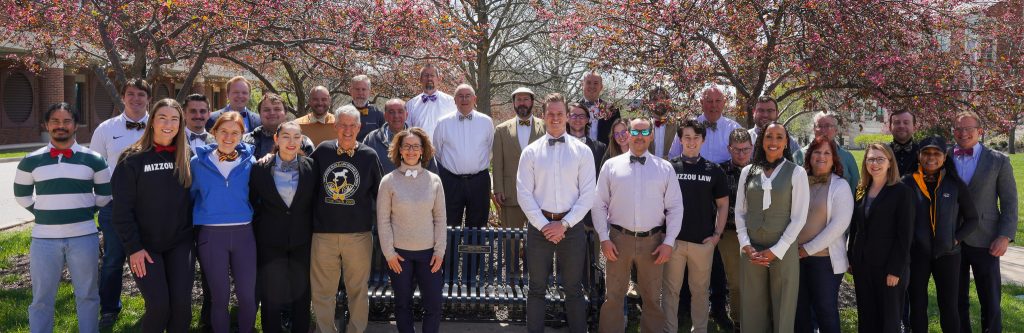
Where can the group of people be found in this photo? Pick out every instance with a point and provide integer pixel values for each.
(702, 217)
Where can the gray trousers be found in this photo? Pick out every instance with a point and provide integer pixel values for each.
(571, 252)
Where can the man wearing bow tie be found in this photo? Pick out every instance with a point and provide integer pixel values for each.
(637, 215)
(110, 139)
(369, 116)
(197, 112)
(380, 139)
(602, 115)
(510, 138)
(989, 177)
(462, 143)
(555, 185)
(660, 106)
(902, 125)
(718, 126)
(74, 181)
(427, 109)
(238, 89)
(318, 124)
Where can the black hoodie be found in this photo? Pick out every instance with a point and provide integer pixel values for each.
(152, 211)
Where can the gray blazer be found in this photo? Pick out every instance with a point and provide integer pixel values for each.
(993, 183)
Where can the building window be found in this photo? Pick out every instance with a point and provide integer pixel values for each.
(19, 99)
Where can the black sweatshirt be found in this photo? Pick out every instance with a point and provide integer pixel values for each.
(152, 211)
(346, 200)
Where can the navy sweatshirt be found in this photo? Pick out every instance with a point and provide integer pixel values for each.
(346, 200)
(152, 211)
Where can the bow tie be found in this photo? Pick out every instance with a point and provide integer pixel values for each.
(903, 147)
(54, 152)
(635, 159)
(466, 117)
(412, 173)
(963, 152)
(429, 98)
(169, 149)
(349, 152)
(287, 166)
(711, 125)
(364, 110)
(135, 125)
(227, 157)
(552, 142)
(524, 122)
(659, 122)
(194, 137)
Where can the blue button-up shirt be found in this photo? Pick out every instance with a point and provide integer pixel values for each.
(965, 165)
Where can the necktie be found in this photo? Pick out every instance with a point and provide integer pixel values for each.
(287, 166)
(963, 152)
(635, 159)
(194, 137)
(349, 152)
(135, 125)
(429, 98)
(54, 152)
(552, 142)
(227, 157)
(412, 173)
(711, 125)
(169, 149)
(466, 117)
(524, 122)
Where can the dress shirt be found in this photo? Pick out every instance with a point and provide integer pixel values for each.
(464, 146)
(638, 197)
(556, 178)
(198, 142)
(111, 138)
(427, 115)
(285, 181)
(797, 215)
(716, 142)
(523, 132)
(965, 165)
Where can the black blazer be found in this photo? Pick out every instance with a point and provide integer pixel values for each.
(276, 224)
(881, 238)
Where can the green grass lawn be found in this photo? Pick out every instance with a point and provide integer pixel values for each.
(13, 154)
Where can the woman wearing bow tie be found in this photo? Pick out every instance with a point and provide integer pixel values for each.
(281, 190)
(223, 215)
(411, 223)
(155, 227)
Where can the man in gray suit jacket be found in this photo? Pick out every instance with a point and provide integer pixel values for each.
(989, 177)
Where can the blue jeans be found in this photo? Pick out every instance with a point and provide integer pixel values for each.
(47, 257)
(818, 303)
(113, 263)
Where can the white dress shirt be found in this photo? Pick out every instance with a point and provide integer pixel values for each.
(464, 146)
(426, 115)
(556, 178)
(523, 132)
(111, 138)
(638, 197)
(798, 211)
(716, 143)
(197, 142)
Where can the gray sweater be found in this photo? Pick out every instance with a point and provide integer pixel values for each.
(411, 212)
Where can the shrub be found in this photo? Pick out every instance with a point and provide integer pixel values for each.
(866, 139)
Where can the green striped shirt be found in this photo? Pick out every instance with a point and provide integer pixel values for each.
(62, 192)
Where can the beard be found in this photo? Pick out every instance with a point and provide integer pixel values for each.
(61, 135)
(428, 86)
(523, 111)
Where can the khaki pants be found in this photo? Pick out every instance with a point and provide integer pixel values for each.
(729, 248)
(332, 255)
(696, 258)
(512, 217)
(633, 251)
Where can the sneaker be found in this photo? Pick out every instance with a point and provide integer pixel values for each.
(107, 320)
(632, 292)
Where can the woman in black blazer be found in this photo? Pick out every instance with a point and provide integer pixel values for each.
(879, 249)
(281, 188)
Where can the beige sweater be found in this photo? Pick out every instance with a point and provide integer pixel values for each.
(411, 212)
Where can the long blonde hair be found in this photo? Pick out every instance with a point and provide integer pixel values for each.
(891, 177)
(182, 153)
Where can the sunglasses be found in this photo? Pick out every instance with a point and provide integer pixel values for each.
(644, 132)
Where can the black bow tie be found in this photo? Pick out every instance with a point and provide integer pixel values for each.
(135, 125)
(194, 137)
(903, 147)
(640, 159)
(711, 125)
(552, 142)
(465, 117)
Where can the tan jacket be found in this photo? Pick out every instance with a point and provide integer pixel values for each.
(505, 156)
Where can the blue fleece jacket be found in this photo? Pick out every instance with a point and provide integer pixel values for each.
(217, 200)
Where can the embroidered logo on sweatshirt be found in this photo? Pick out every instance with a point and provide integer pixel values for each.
(340, 181)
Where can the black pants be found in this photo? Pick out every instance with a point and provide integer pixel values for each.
(540, 258)
(284, 282)
(988, 283)
(416, 272)
(466, 196)
(879, 307)
(946, 271)
(719, 290)
(167, 290)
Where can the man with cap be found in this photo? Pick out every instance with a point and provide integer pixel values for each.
(510, 138)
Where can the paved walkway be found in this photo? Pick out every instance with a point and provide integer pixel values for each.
(10, 212)
(453, 327)
(1012, 265)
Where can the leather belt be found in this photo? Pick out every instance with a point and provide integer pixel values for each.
(554, 216)
(651, 232)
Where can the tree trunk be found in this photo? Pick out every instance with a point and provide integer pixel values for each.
(483, 60)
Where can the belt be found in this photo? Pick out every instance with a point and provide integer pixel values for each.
(554, 216)
(465, 176)
(651, 232)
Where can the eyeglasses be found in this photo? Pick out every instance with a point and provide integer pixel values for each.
(741, 150)
(643, 132)
(578, 116)
(412, 147)
(964, 129)
(877, 160)
(620, 134)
